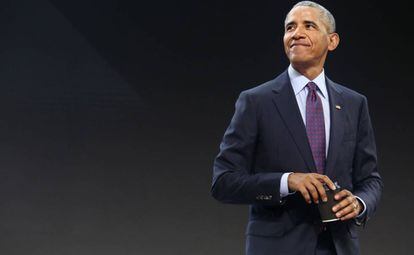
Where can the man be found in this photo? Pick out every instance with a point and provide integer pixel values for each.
(290, 136)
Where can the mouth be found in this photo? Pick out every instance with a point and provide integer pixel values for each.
(299, 45)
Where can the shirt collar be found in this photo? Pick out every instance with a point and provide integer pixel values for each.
(299, 81)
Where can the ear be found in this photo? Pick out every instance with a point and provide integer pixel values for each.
(333, 41)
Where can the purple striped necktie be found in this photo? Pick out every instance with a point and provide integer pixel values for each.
(315, 127)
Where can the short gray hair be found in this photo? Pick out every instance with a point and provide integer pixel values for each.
(326, 15)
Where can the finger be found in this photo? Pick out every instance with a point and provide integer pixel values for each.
(327, 180)
(347, 215)
(320, 189)
(350, 209)
(342, 194)
(344, 203)
(313, 192)
(305, 194)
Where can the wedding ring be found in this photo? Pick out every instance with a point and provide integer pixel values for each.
(355, 206)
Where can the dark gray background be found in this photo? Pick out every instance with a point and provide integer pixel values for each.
(111, 113)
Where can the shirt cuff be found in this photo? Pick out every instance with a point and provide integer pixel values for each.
(284, 187)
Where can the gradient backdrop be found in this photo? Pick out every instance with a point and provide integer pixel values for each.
(111, 114)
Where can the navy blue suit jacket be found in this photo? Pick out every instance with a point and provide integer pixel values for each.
(266, 138)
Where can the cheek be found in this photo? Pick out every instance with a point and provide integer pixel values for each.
(286, 44)
(323, 42)
(285, 40)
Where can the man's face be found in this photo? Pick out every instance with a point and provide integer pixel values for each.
(306, 38)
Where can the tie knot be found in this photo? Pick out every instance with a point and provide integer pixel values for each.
(312, 86)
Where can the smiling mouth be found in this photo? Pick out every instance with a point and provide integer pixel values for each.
(298, 44)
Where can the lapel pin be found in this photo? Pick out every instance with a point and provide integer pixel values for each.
(338, 107)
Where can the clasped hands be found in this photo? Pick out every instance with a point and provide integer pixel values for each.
(310, 185)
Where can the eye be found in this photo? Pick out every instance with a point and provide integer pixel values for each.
(310, 26)
(289, 28)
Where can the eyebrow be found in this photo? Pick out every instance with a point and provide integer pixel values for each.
(290, 23)
(307, 22)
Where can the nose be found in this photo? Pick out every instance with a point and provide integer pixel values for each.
(298, 33)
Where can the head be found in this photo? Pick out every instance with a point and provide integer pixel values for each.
(309, 35)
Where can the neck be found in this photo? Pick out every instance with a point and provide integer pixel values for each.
(309, 72)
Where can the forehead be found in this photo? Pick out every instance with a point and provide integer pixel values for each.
(303, 13)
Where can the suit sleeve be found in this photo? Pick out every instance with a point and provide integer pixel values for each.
(367, 181)
(234, 179)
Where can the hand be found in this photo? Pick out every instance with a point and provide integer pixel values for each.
(310, 185)
(349, 207)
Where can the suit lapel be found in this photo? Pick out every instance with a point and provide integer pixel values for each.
(337, 125)
(287, 106)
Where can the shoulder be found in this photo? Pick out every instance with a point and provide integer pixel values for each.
(267, 89)
(347, 93)
(260, 90)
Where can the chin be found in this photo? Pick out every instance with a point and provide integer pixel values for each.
(298, 59)
(300, 62)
